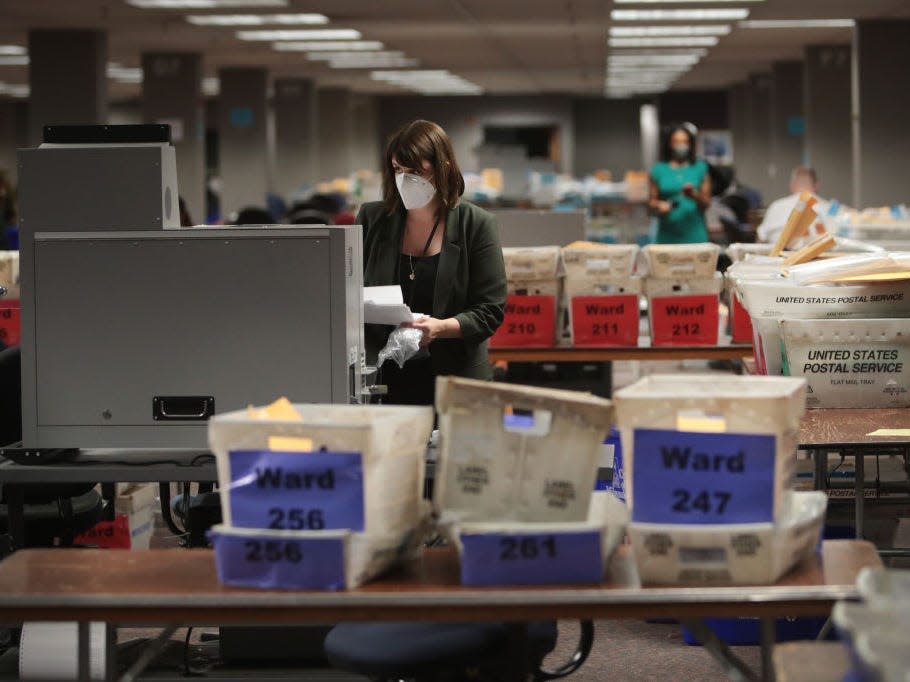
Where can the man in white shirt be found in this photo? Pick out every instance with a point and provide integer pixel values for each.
(802, 179)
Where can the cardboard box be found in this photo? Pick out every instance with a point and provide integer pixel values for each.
(133, 524)
(737, 554)
(850, 363)
(694, 403)
(684, 312)
(516, 453)
(532, 263)
(605, 320)
(9, 268)
(673, 261)
(591, 267)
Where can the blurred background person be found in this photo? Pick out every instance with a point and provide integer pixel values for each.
(680, 189)
(802, 179)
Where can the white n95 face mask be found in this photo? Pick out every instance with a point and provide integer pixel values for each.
(415, 192)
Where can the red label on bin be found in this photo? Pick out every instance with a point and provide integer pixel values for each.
(108, 534)
(741, 323)
(605, 320)
(684, 320)
(529, 321)
(9, 323)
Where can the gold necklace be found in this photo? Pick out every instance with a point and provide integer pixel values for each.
(426, 248)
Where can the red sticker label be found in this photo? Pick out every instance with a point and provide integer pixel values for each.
(605, 320)
(684, 320)
(529, 321)
(108, 534)
(741, 323)
(10, 325)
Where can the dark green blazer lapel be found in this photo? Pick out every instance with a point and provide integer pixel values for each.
(448, 264)
(389, 248)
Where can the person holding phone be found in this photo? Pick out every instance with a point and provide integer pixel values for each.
(680, 189)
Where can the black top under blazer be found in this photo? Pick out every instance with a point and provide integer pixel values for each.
(470, 282)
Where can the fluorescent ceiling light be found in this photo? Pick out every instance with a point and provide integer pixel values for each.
(124, 74)
(660, 52)
(799, 23)
(652, 60)
(204, 4)
(395, 63)
(679, 14)
(328, 56)
(302, 34)
(14, 90)
(327, 45)
(256, 19)
(13, 50)
(694, 41)
(14, 60)
(427, 82)
(668, 2)
(211, 86)
(638, 31)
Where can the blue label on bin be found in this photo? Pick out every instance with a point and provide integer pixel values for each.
(271, 562)
(531, 559)
(702, 478)
(296, 490)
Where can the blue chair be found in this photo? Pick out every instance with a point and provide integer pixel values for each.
(433, 652)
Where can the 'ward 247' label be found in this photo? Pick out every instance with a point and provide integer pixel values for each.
(702, 478)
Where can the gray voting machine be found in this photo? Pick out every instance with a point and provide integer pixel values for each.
(135, 331)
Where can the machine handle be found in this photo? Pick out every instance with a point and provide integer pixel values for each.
(183, 408)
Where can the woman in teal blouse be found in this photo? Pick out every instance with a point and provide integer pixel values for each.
(680, 190)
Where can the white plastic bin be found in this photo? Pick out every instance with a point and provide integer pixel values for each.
(392, 441)
(607, 518)
(736, 554)
(730, 404)
(850, 363)
(516, 453)
(770, 301)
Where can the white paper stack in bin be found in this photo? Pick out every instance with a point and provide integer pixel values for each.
(528, 479)
(531, 272)
(601, 276)
(687, 272)
(712, 429)
(387, 446)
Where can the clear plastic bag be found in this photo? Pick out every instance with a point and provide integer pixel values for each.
(403, 344)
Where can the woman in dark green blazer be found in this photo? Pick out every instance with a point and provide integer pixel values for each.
(445, 254)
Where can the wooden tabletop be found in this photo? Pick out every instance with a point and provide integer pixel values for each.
(160, 587)
(575, 354)
(811, 662)
(852, 427)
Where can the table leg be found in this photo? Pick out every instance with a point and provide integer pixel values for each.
(860, 467)
(821, 468)
(15, 505)
(768, 638)
(110, 652)
(83, 652)
(519, 652)
(733, 666)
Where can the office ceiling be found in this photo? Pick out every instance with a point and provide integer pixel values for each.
(503, 46)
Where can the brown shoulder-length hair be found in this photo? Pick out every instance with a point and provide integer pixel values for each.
(410, 146)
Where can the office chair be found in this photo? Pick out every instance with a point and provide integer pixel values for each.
(54, 512)
(438, 652)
